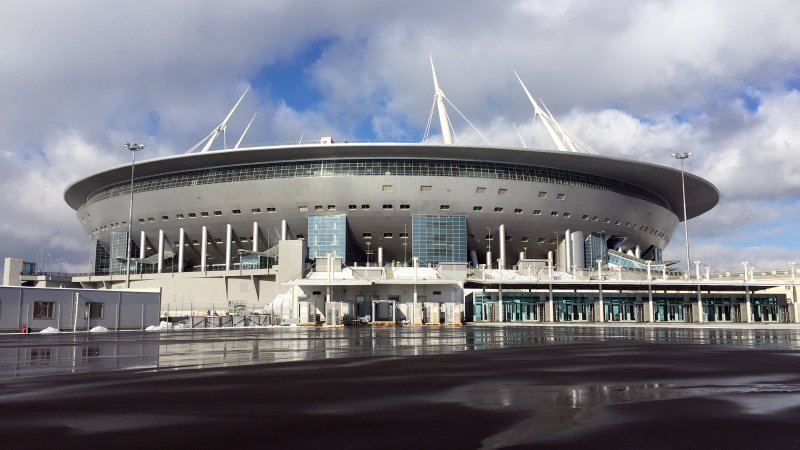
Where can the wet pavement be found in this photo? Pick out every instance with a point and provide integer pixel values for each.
(543, 387)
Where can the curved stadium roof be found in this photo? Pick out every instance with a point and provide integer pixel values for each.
(662, 181)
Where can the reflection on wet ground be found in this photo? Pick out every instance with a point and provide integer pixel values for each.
(542, 387)
(34, 355)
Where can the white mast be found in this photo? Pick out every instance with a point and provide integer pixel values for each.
(564, 137)
(245, 131)
(544, 116)
(444, 121)
(221, 127)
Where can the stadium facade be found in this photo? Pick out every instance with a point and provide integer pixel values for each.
(426, 233)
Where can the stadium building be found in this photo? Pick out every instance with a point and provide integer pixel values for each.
(424, 232)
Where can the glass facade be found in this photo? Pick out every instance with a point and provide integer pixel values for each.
(439, 238)
(118, 253)
(594, 248)
(395, 167)
(99, 260)
(28, 268)
(327, 235)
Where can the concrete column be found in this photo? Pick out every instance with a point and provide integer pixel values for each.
(699, 305)
(473, 257)
(160, 250)
(142, 244)
(502, 264)
(204, 249)
(551, 310)
(283, 229)
(181, 244)
(601, 305)
(521, 256)
(637, 252)
(414, 307)
(380, 256)
(228, 239)
(568, 251)
(650, 312)
(577, 250)
(489, 260)
(255, 236)
(748, 307)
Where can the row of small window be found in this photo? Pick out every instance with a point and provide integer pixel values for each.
(47, 310)
(386, 235)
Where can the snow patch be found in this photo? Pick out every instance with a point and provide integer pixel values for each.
(49, 330)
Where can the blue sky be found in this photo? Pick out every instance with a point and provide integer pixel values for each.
(638, 80)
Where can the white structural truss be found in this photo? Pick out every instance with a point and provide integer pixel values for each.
(563, 141)
(221, 129)
(448, 136)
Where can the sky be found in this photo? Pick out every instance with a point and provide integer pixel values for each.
(639, 80)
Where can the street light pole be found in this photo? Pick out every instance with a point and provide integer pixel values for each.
(133, 148)
(682, 157)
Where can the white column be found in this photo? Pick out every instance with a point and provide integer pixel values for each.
(228, 239)
(489, 260)
(502, 264)
(160, 250)
(181, 243)
(255, 236)
(567, 251)
(283, 229)
(699, 305)
(380, 256)
(521, 256)
(204, 249)
(142, 244)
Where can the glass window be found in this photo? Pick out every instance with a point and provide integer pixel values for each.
(331, 207)
(203, 213)
(405, 206)
(560, 197)
(366, 235)
(235, 212)
(179, 216)
(480, 190)
(318, 208)
(192, 215)
(352, 207)
(44, 310)
(444, 207)
(537, 212)
(93, 310)
(271, 209)
(387, 206)
(165, 218)
(364, 206)
(387, 188)
(256, 210)
(502, 191)
(302, 208)
(387, 235)
(542, 194)
(498, 209)
(426, 188)
(477, 208)
(517, 210)
(218, 213)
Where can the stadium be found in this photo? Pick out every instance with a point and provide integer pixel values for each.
(389, 231)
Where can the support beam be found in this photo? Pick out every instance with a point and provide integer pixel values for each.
(160, 251)
(142, 244)
(502, 262)
(204, 250)
(228, 240)
(255, 236)
(181, 244)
